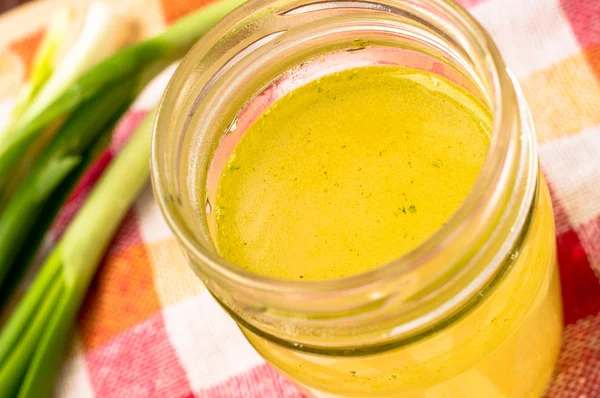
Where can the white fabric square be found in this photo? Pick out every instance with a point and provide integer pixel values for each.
(573, 167)
(150, 96)
(74, 380)
(153, 226)
(209, 345)
(531, 34)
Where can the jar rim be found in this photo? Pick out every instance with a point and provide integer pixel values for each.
(497, 169)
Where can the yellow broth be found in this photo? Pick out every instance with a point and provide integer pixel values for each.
(349, 172)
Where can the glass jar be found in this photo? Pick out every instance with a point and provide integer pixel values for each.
(474, 311)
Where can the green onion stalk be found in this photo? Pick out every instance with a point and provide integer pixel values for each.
(33, 341)
(61, 158)
(74, 41)
(92, 104)
(140, 62)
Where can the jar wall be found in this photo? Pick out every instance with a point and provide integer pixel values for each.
(506, 346)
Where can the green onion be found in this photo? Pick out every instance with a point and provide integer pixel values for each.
(33, 341)
(140, 63)
(72, 44)
(58, 36)
(62, 157)
(93, 104)
(67, 128)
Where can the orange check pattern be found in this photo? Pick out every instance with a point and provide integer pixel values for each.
(148, 327)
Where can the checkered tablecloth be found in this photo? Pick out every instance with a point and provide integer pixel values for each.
(150, 329)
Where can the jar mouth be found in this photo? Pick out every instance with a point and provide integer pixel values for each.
(450, 248)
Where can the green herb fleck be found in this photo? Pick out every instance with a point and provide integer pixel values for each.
(436, 165)
(412, 209)
(353, 372)
(360, 43)
(236, 167)
(301, 276)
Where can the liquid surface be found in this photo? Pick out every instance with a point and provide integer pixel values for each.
(349, 172)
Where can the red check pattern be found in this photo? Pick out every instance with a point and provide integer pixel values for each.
(149, 328)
